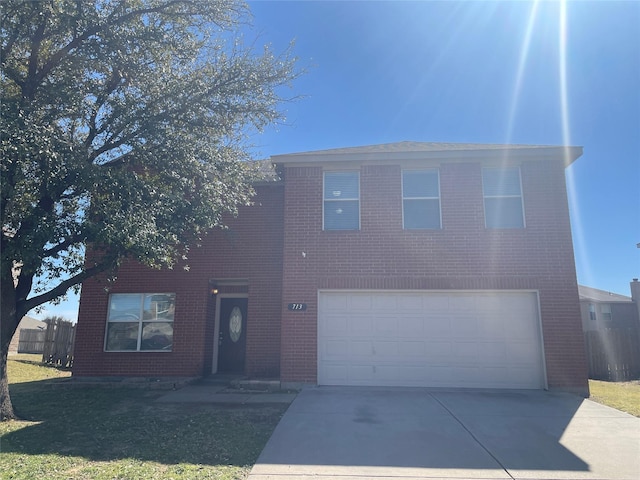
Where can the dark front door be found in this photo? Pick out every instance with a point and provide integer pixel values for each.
(232, 339)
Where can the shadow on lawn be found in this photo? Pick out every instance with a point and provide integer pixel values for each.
(105, 423)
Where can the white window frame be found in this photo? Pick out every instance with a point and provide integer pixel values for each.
(140, 320)
(521, 197)
(592, 312)
(438, 198)
(605, 312)
(324, 200)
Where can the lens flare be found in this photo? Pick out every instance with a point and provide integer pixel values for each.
(522, 62)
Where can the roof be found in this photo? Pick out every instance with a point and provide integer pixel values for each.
(30, 322)
(263, 172)
(431, 150)
(589, 293)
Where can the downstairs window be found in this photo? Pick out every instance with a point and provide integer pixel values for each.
(140, 322)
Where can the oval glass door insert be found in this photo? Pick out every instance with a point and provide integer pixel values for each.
(235, 324)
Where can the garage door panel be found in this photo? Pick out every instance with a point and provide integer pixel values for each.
(361, 303)
(407, 304)
(335, 324)
(388, 349)
(385, 326)
(411, 326)
(395, 375)
(360, 349)
(438, 353)
(516, 302)
(414, 349)
(517, 330)
(490, 304)
(490, 327)
(464, 326)
(436, 304)
(492, 353)
(335, 348)
(334, 303)
(521, 352)
(462, 303)
(360, 375)
(337, 374)
(385, 304)
(465, 374)
(360, 325)
(436, 326)
(447, 339)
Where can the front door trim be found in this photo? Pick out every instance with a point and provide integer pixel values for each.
(216, 329)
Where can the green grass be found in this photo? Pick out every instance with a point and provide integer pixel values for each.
(118, 432)
(28, 368)
(624, 396)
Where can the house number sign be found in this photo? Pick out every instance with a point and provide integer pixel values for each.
(297, 307)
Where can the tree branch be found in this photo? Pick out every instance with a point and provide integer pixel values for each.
(100, 101)
(62, 246)
(32, 77)
(24, 306)
(4, 52)
(77, 41)
(109, 146)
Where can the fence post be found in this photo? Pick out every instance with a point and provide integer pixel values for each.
(613, 354)
(59, 343)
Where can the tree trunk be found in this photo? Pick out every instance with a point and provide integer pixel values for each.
(6, 407)
(8, 325)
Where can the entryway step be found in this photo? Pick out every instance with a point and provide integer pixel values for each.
(259, 384)
(242, 383)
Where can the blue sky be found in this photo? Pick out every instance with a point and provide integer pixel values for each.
(480, 72)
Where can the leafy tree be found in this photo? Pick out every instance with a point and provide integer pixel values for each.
(124, 125)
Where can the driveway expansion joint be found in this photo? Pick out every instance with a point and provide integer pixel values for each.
(476, 439)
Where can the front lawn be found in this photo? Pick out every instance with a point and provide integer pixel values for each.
(624, 396)
(118, 432)
(26, 367)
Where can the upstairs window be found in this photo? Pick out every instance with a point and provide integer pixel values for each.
(341, 201)
(502, 198)
(140, 322)
(592, 312)
(421, 199)
(605, 310)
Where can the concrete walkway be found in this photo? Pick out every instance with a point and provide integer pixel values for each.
(379, 433)
(223, 394)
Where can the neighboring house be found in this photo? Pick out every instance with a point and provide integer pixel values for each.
(611, 332)
(403, 264)
(25, 323)
(603, 310)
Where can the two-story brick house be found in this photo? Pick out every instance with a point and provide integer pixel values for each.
(408, 264)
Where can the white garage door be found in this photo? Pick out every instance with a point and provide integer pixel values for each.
(433, 339)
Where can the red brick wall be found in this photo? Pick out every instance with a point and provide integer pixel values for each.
(250, 249)
(462, 255)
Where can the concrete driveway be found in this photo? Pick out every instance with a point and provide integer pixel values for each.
(352, 432)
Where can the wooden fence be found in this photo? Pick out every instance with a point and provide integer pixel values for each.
(58, 343)
(613, 354)
(31, 340)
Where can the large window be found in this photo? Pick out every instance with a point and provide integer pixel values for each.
(341, 201)
(140, 322)
(420, 199)
(502, 198)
